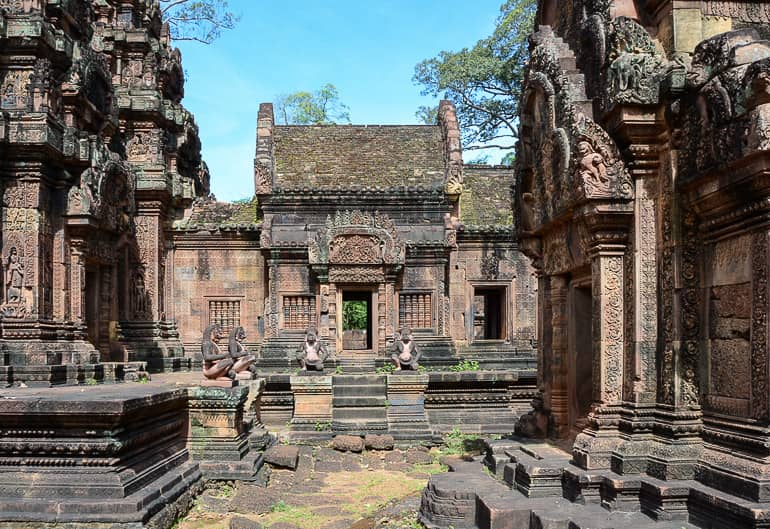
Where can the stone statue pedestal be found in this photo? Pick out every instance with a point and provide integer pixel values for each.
(218, 438)
(407, 419)
(218, 383)
(312, 416)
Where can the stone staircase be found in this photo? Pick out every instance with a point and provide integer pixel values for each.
(356, 364)
(527, 484)
(359, 404)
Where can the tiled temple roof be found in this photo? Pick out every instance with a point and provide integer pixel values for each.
(486, 198)
(209, 213)
(363, 155)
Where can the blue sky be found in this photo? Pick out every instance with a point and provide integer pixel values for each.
(367, 49)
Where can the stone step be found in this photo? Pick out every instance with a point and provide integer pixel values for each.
(361, 428)
(359, 401)
(378, 413)
(358, 380)
(360, 391)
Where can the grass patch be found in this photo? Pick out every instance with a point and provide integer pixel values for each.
(429, 468)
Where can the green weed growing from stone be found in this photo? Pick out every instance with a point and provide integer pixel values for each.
(465, 365)
(322, 426)
(280, 506)
(385, 369)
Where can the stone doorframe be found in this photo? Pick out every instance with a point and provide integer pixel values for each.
(356, 249)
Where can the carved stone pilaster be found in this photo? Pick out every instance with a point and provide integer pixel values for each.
(593, 448)
(77, 282)
(558, 359)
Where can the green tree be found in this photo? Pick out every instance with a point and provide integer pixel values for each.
(509, 158)
(198, 20)
(427, 115)
(354, 315)
(322, 107)
(485, 81)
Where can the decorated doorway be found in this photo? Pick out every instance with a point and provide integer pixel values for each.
(358, 312)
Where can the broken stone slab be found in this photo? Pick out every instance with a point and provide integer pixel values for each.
(418, 457)
(379, 442)
(282, 456)
(239, 522)
(348, 443)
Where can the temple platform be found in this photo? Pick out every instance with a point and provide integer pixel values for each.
(439, 401)
(108, 455)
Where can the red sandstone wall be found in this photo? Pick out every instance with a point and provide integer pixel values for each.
(219, 270)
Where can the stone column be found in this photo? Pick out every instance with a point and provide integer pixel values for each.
(594, 446)
(382, 317)
(77, 286)
(641, 128)
(312, 416)
(217, 438)
(678, 423)
(407, 419)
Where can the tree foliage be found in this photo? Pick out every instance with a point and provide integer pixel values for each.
(427, 115)
(198, 20)
(485, 81)
(321, 107)
(354, 315)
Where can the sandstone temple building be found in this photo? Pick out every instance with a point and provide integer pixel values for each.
(602, 305)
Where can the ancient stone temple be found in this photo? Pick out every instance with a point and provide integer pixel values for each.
(97, 156)
(117, 264)
(641, 200)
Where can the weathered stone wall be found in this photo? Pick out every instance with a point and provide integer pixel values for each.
(347, 155)
(497, 266)
(220, 269)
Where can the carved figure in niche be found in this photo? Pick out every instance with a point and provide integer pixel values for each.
(592, 167)
(406, 354)
(139, 294)
(216, 364)
(14, 277)
(242, 358)
(312, 354)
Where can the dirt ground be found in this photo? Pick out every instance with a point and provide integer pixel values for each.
(328, 490)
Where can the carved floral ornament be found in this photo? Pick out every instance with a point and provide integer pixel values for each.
(569, 157)
(357, 238)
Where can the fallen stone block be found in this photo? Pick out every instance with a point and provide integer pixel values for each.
(348, 443)
(283, 456)
(379, 442)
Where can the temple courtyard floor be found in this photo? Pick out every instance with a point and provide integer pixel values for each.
(328, 490)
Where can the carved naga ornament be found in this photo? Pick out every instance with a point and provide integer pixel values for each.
(566, 158)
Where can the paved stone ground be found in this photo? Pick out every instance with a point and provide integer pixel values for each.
(328, 490)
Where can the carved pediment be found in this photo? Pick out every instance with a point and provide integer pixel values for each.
(565, 158)
(105, 191)
(355, 249)
(357, 238)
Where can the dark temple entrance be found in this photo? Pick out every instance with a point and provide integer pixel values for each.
(489, 313)
(357, 320)
(580, 383)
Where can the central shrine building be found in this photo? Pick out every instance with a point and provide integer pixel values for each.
(384, 215)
